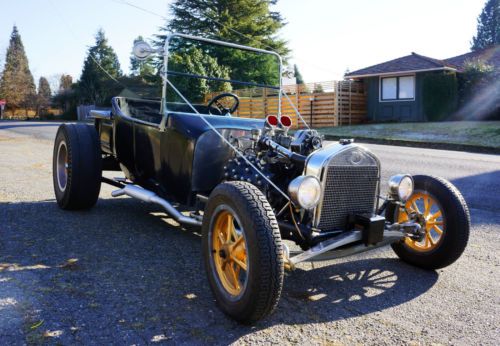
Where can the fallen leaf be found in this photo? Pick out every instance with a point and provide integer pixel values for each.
(70, 263)
(36, 325)
(53, 333)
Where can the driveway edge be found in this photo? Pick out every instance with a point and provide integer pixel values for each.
(415, 144)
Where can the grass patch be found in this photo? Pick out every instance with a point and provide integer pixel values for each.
(478, 133)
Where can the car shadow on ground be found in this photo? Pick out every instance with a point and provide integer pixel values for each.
(121, 272)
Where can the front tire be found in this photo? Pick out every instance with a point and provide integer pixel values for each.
(76, 166)
(445, 219)
(242, 251)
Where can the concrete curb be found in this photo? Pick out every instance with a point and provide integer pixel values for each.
(429, 145)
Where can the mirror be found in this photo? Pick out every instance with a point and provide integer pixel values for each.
(142, 50)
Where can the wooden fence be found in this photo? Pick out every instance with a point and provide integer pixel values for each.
(324, 104)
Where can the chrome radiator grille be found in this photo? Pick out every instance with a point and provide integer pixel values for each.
(350, 182)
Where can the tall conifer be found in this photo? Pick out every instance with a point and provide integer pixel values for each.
(17, 86)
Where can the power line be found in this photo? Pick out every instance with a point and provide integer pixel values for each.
(61, 17)
(124, 2)
(128, 3)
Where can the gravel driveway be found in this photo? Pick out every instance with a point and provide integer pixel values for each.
(122, 274)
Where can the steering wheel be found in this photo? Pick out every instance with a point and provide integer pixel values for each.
(220, 103)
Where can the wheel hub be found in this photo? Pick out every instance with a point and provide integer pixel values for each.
(62, 165)
(222, 254)
(424, 209)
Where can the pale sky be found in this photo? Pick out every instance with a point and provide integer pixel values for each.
(326, 36)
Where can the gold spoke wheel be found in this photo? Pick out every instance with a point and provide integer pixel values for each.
(427, 207)
(442, 213)
(229, 253)
(242, 251)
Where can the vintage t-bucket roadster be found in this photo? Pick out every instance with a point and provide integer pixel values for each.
(250, 185)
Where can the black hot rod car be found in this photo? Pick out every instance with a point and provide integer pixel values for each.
(250, 186)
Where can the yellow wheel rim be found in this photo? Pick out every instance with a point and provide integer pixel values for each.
(427, 207)
(229, 253)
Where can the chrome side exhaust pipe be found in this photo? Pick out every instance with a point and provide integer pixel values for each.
(151, 197)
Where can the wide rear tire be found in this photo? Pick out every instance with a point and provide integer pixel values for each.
(77, 166)
(242, 251)
(447, 224)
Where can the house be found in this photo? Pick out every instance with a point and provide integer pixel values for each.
(394, 88)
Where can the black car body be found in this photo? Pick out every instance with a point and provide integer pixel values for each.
(180, 159)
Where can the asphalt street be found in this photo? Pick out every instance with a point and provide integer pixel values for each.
(121, 273)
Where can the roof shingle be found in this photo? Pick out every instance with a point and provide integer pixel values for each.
(417, 62)
(489, 55)
(412, 62)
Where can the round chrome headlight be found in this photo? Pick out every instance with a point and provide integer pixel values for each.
(401, 186)
(305, 191)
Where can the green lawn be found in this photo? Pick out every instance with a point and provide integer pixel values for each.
(479, 133)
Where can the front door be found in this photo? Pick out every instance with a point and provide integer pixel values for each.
(137, 146)
(124, 136)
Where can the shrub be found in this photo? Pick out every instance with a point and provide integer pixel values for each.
(479, 92)
(318, 88)
(440, 92)
(47, 116)
(69, 114)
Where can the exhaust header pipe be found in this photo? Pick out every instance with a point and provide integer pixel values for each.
(151, 197)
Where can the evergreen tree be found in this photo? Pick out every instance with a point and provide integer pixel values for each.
(65, 83)
(225, 20)
(44, 88)
(141, 68)
(298, 76)
(318, 88)
(44, 95)
(17, 85)
(194, 61)
(488, 26)
(66, 97)
(100, 66)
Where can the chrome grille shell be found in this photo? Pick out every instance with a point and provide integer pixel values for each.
(350, 178)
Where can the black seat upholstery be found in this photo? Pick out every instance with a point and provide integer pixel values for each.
(144, 110)
(149, 110)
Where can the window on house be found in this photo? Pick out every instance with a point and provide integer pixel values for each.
(389, 88)
(398, 88)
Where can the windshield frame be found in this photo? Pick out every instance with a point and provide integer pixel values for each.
(164, 105)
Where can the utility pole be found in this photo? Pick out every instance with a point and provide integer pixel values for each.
(2, 108)
(311, 100)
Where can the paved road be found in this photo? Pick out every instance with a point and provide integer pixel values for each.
(139, 280)
(37, 129)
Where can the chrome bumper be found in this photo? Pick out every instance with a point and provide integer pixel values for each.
(329, 249)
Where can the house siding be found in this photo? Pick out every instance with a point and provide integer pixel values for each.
(402, 111)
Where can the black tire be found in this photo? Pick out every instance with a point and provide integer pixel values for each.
(79, 185)
(456, 218)
(264, 251)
